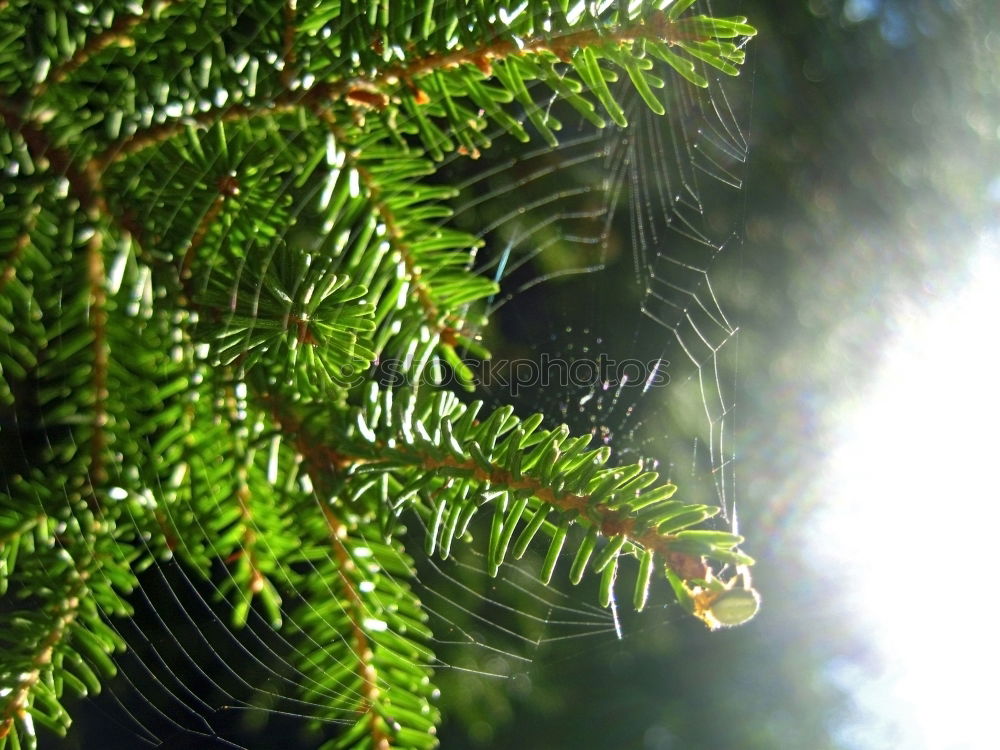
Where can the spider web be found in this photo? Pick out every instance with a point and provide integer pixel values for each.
(609, 244)
(632, 222)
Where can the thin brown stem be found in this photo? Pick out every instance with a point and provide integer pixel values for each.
(288, 43)
(248, 542)
(287, 102)
(228, 187)
(98, 318)
(359, 640)
(248, 547)
(658, 27)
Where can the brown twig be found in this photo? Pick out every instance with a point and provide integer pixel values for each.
(659, 27)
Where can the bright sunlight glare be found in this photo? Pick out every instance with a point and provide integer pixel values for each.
(912, 514)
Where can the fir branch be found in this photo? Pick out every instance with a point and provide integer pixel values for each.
(249, 539)
(659, 26)
(118, 34)
(84, 179)
(369, 90)
(397, 239)
(320, 460)
(85, 185)
(19, 699)
(248, 545)
(610, 522)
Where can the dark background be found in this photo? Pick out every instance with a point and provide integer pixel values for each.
(873, 146)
